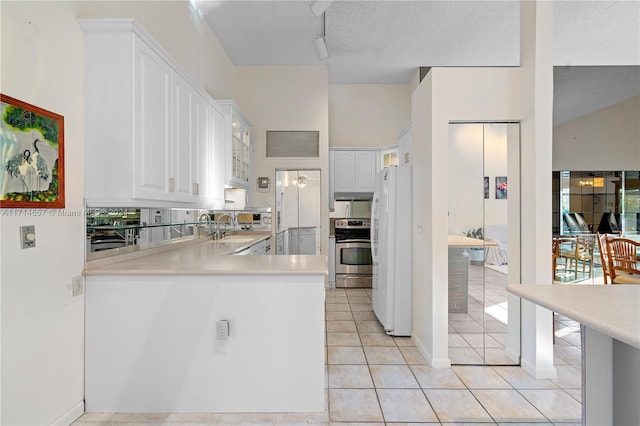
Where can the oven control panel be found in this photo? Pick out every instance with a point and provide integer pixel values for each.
(353, 223)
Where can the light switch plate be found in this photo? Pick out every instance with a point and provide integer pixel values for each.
(77, 285)
(28, 236)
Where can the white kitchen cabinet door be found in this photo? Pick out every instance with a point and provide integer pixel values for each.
(344, 173)
(238, 149)
(404, 145)
(365, 169)
(303, 240)
(219, 160)
(354, 171)
(153, 133)
(203, 141)
(388, 157)
(183, 141)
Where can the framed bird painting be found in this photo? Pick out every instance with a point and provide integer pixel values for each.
(32, 156)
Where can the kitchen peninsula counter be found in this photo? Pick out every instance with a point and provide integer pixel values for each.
(610, 318)
(213, 257)
(152, 338)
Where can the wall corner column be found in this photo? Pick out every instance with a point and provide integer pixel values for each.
(536, 71)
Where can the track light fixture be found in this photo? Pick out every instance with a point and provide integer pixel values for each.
(318, 7)
(321, 48)
(320, 43)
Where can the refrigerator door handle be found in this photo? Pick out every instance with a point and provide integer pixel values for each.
(374, 227)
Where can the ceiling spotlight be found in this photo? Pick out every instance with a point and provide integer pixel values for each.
(318, 7)
(321, 48)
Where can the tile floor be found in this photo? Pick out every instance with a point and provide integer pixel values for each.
(376, 379)
(478, 336)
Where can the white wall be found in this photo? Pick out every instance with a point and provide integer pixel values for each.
(536, 91)
(367, 115)
(445, 95)
(608, 139)
(42, 324)
(286, 98)
(42, 330)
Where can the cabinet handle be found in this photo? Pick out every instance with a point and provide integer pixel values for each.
(171, 184)
(196, 188)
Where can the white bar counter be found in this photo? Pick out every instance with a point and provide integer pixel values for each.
(610, 318)
(151, 343)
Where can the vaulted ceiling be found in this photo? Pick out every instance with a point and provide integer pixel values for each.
(386, 41)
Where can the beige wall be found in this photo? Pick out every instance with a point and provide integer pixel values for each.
(286, 98)
(608, 139)
(183, 34)
(367, 115)
(42, 330)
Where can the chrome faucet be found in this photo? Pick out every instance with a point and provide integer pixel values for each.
(216, 234)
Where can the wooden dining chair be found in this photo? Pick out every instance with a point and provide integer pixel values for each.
(624, 263)
(604, 257)
(580, 249)
(555, 254)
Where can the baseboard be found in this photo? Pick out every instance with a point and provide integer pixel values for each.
(71, 416)
(539, 373)
(512, 355)
(431, 361)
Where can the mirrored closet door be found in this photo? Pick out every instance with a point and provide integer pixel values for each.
(483, 215)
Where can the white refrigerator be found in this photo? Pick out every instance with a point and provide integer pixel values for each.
(392, 250)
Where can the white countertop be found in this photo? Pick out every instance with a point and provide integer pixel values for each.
(613, 310)
(211, 257)
(464, 241)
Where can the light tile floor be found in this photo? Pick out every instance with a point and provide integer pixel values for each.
(376, 379)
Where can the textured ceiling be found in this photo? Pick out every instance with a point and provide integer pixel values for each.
(368, 41)
(579, 91)
(386, 41)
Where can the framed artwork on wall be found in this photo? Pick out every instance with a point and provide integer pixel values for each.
(501, 187)
(32, 156)
(486, 187)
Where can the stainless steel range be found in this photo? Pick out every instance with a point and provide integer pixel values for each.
(353, 253)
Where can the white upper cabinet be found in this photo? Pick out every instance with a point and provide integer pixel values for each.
(202, 125)
(344, 172)
(217, 173)
(238, 149)
(149, 130)
(180, 175)
(388, 157)
(353, 170)
(404, 145)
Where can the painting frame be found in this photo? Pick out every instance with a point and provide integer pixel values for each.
(501, 188)
(486, 187)
(32, 149)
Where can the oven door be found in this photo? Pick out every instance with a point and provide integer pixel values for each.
(353, 257)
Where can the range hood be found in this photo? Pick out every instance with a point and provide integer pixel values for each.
(353, 196)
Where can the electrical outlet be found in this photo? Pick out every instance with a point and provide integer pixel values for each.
(77, 285)
(222, 330)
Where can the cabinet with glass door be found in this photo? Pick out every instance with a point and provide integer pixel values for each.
(238, 142)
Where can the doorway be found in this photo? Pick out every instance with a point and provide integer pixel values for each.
(298, 211)
(483, 208)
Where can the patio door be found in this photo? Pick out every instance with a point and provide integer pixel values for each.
(483, 206)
